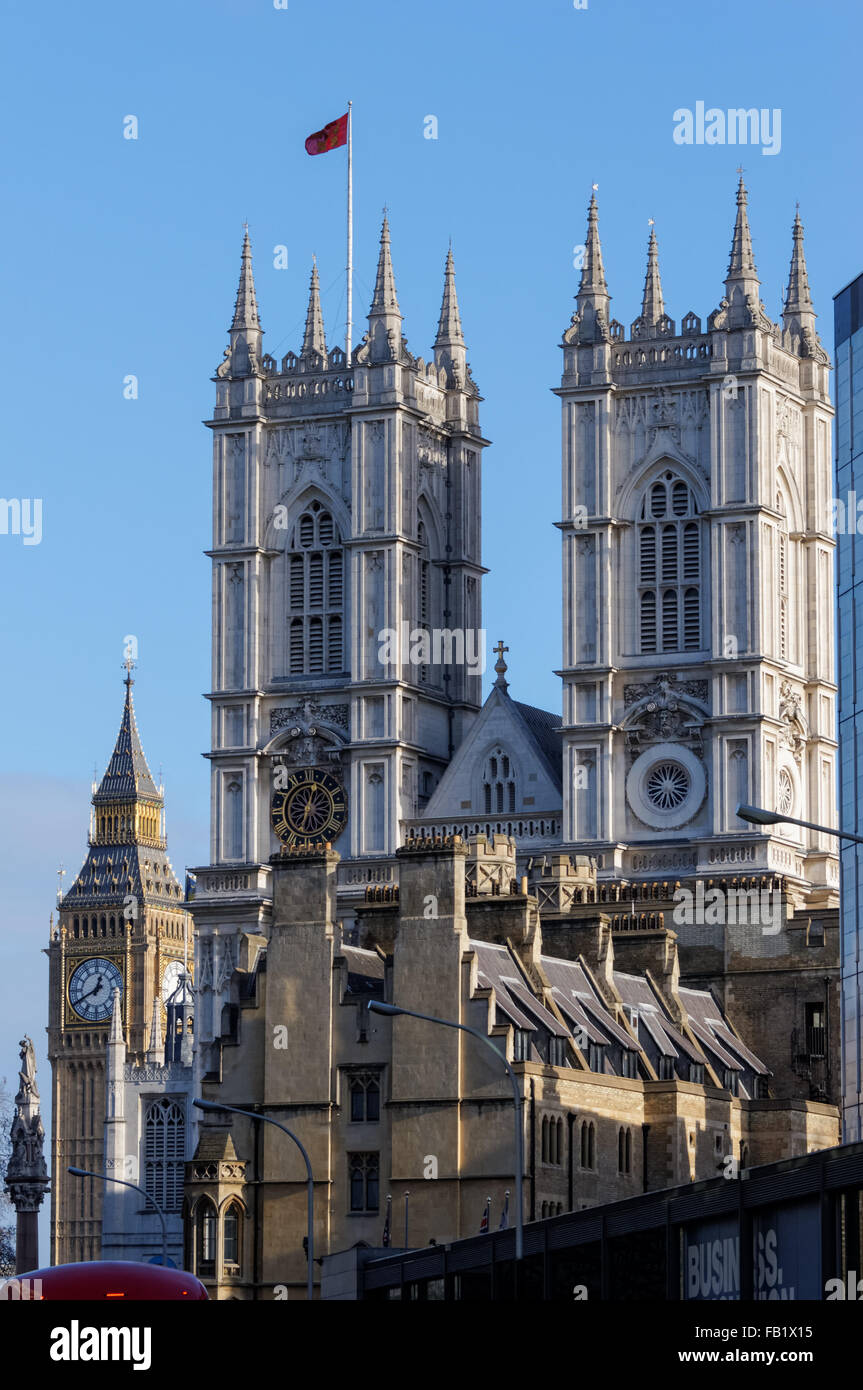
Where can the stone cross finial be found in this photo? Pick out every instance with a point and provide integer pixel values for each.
(500, 665)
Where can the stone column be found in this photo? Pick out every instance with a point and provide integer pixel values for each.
(27, 1174)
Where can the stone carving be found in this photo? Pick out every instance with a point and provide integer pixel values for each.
(27, 1161)
(665, 711)
(309, 711)
(795, 729)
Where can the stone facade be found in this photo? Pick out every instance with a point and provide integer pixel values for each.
(628, 1079)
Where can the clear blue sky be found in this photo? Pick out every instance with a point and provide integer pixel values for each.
(121, 257)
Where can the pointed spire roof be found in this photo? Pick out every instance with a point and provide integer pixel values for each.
(741, 265)
(384, 300)
(449, 333)
(127, 774)
(592, 270)
(246, 307)
(154, 1050)
(798, 298)
(652, 303)
(590, 321)
(313, 338)
(116, 1033)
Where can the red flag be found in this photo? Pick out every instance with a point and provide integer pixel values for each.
(332, 135)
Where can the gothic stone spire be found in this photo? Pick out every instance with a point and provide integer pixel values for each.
(741, 283)
(246, 307)
(385, 320)
(593, 297)
(242, 358)
(313, 338)
(449, 346)
(652, 303)
(798, 316)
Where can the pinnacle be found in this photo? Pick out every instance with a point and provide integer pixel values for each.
(652, 305)
(741, 265)
(449, 331)
(798, 297)
(246, 307)
(593, 271)
(313, 338)
(384, 301)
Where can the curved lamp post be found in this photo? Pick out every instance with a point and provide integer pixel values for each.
(756, 815)
(103, 1177)
(376, 1006)
(211, 1105)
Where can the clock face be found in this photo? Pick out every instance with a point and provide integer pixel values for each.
(91, 988)
(171, 978)
(313, 807)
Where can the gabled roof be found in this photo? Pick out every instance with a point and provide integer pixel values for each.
(531, 735)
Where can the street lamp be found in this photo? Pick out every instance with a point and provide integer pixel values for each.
(377, 1006)
(757, 815)
(103, 1177)
(211, 1105)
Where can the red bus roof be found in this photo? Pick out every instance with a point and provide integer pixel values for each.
(95, 1280)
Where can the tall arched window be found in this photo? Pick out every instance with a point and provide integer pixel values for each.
(231, 1229)
(315, 594)
(498, 784)
(669, 568)
(782, 577)
(206, 1234)
(423, 582)
(164, 1152)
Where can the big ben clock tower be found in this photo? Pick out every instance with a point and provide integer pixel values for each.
(122, 926)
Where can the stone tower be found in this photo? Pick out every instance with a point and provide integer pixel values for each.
(122, 928)
(346, 520)
(698, 661)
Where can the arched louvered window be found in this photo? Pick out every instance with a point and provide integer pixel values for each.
(669, 568)
(782, 577)
(315, 595)
(424, 580)
(498, 784)
(164, 1152)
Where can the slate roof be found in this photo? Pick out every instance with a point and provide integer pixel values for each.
(545, 728)
(127, 774)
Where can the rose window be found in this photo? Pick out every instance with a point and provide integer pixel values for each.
(667, 786)
(785, 796)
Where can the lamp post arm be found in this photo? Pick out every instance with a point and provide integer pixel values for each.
(123, 1182)
(823, 829)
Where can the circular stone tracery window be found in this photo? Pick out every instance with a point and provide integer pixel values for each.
(667, 786)
(785, 793)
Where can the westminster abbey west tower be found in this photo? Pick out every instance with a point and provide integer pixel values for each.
(377, 833)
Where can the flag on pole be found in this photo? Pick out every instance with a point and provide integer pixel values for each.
(385, 1239)
(483, 1225)
(334, 134)
(504, 1216)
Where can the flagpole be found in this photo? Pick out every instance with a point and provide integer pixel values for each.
(350, 268)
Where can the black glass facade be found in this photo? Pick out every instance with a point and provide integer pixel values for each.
(848, 340)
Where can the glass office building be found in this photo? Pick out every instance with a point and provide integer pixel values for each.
(848, 324)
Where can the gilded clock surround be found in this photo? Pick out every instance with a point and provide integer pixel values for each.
(311, 809)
